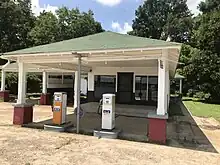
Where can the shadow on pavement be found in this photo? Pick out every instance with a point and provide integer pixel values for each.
(182, 130)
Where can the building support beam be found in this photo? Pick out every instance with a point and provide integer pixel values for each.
(162, 87)
(3, 80)
(44, 90)
(78, 94)
(167, 90)
(23, 112)
(181, 87)
(91, 87)
(45, 97)
(4, 95)
(158, 119)
(22, 84)
(75, 89)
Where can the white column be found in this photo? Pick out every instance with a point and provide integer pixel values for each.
(91, 81)
(167, 90)
(3, 80)
(181, 86)
(75, 89)
(134, 83)
(21, 83)
(44, 90)
(162, 81)
(78, 93)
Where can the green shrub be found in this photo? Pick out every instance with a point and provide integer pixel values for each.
(202, 95)
(33, 83)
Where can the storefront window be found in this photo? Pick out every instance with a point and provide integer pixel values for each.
(141, 88)
(146, 88)
(153, 87)
(68, 77)
(104, 84)
(55, 76)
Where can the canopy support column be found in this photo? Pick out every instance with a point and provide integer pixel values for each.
(78, 93)
(45, 97)
(3, 80)
(4, 95)
(158, 118)
(22, 84)
(75, 89)
(181, 86)
(23, 112)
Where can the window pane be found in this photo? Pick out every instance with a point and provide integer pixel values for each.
(153, 88)
(55, 76)
(68, 77)
(141, 87)
(104, 84)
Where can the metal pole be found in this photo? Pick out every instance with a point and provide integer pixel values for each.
(181, 86)
(3, 81)
(78, 92)
(44, 90)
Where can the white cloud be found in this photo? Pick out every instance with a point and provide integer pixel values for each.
(121, 29)
(192, 4)
(36, 8)
(109, 2)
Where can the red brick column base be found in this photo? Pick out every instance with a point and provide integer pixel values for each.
(45, 99)
(4, 96)
(157, 128)
(23, 114)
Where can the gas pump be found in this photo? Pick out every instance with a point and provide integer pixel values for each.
(108, 112)
(59, 108)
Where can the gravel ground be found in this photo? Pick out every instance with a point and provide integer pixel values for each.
(29, 146)
(23, 146)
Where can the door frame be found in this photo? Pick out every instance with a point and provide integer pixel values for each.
(118, 89)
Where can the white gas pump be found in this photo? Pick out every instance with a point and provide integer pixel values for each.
(108, 112)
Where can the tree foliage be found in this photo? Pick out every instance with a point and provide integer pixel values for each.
(202, 70)
(66, 24)
(200, 54)
(19, 29)
(16, 20)
(160, 19)
(209, 6)
(45, 30)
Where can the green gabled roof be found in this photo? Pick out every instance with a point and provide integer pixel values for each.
(101, 41)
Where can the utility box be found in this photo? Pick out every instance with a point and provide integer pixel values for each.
(108, 112)
(59, 108)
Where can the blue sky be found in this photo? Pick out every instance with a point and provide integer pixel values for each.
(115, 15)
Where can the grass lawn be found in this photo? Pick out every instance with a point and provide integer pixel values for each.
(201, 109)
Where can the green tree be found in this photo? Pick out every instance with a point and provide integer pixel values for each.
(207, 35)
(74, 23)
(45, 30)
(66, 24)
(209, 6)
(207, 63)
(202, 69)
(159, 19)
(16, 20)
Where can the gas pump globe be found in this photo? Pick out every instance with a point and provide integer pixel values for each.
(108, 112)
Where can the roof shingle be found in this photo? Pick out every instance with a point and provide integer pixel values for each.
(101, 41)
